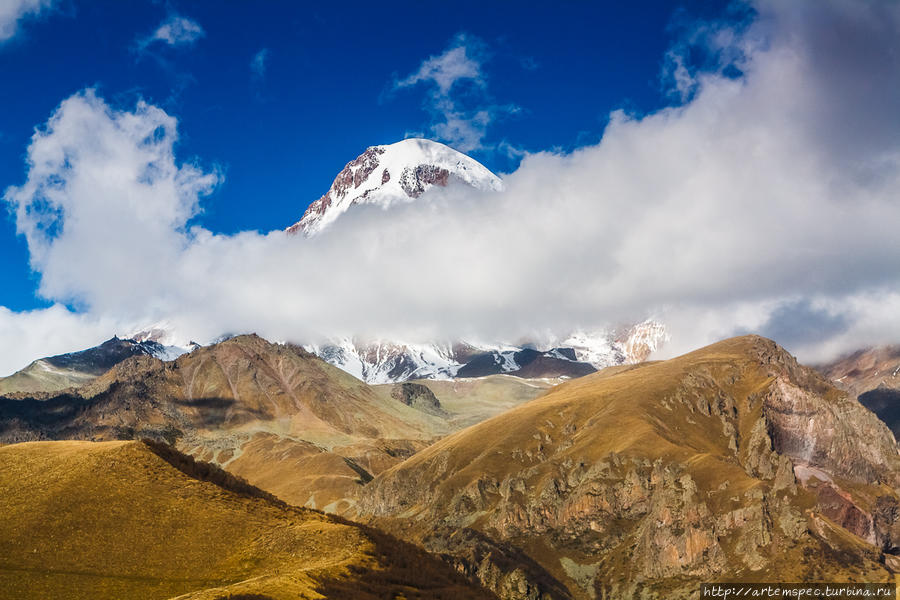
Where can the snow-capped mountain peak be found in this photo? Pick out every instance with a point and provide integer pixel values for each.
(394, 173)
(162, 341)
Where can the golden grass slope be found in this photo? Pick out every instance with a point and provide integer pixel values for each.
(83, 520)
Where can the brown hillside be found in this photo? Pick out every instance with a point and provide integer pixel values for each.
(272, 413)
(866, 370)
(117, 520)
(732, 462)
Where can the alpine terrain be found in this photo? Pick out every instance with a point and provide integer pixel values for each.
(729, 463)
(274, 414)
(391, 174)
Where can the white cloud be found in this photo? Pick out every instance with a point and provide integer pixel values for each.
(176, 30)
(457, 63)
(458, 100)
(767, 203)
(103, 186)
(47, 332)
(259, 63)
(13, 11)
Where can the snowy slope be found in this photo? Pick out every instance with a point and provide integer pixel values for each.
(392, 362)
(389, 361)
(399, 172)
(161, 341)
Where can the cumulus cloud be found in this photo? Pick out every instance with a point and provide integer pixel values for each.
(13, 11)
(766, 202)
(458, 99)
(176, 30)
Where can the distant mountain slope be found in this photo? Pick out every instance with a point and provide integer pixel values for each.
(116, 520)
(732, 462)
(392, 174)
(573, 355)
(239, 403)
(57, 373)
(394, 362)
(873, 376)
(470, 401)
(865, 370)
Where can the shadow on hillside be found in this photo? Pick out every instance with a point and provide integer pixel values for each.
(205, 471)
(216, 411)
(885, 403)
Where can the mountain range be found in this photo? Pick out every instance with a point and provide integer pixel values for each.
(384, 176)
(273, 413)
(730, 462)
(568, 466)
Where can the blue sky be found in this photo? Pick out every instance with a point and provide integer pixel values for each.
(280, 95)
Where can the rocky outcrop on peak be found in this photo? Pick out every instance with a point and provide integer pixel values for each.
(350, 178)
(417, 396)
(415, 180)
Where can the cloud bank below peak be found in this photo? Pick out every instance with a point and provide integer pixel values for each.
(765, 202)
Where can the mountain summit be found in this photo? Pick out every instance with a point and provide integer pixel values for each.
(399, 172)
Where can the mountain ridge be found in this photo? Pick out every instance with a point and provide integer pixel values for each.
(273, 413)
(657, 476)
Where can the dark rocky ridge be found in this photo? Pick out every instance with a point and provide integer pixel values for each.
(56, 373)
(418, 396)
(557, 362)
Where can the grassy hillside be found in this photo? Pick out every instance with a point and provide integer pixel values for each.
(470, 401)
(120, 520)
(41, 376)
(272, 413)
(730, 462)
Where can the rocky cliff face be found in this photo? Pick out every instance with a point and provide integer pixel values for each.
(733, 462)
